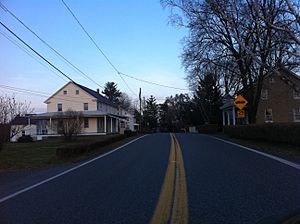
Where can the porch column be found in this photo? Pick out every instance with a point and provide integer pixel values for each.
(116, 125)
(223, 117)
(228, 118)
(233, 115)
(111, 127)
(104, 123)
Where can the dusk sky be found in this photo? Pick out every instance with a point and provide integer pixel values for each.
(135, 35)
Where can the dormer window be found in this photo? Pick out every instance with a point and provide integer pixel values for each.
(65, 92)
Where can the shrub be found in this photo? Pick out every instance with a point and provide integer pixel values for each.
(208, 128)
(25, 138)
(73, 150)
(129, 133)
(4, 134)
(288, 133)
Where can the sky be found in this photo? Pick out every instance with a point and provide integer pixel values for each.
(135, 35)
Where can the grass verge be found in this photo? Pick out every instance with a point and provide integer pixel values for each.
(43, 153)
(288, 152)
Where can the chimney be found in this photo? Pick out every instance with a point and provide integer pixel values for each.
(97, 90)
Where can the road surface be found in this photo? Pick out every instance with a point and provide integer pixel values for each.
(160, 178)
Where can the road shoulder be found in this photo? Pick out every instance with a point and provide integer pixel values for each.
(287, 152)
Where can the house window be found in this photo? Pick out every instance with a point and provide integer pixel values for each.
(297, 114)
(65, 92)
(23, 133)
(264, 94)
(77, 91)
(59, 107)
(297, 94)
(86, 122)
(268, 115)
(85, 106)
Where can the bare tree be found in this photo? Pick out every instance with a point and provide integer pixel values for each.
(125, 102)
(229, 36)
(9, 109)
(69, 124)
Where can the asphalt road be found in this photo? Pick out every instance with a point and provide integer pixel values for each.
(225, 184)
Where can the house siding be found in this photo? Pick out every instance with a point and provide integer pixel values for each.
(92, 126)
(71, 100)
(280, 100)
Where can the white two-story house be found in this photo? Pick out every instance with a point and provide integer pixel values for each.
(101, 116)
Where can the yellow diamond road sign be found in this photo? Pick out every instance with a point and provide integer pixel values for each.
(240, 102)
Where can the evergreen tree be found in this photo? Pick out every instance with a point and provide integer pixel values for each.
(111, 92)
(208, 98)
(151, 114)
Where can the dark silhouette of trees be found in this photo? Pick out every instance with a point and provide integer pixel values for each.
(208, 99)
(111, 92)
(175, 113)
(150, 115)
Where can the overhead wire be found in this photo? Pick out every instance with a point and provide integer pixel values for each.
(42, 94)
(97, 46)
(152, 83)
(46, 94)
(29, 54)
(49, 46)
(37, 53)
(110, 62)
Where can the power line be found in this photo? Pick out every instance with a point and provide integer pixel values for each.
(49, 46)
(110, 62)
(29, 54)
(152, 83)
(40, 94)
(37, 53)
(96, 45)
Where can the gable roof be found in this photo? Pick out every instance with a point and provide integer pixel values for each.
(97, 95)
(91, 92)
(22, 120)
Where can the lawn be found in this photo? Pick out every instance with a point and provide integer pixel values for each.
(38, 154)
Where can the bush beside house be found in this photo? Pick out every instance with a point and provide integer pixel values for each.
(69, 151)
(288, 133)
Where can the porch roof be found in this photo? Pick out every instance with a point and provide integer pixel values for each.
(227, 104)
(49, 115)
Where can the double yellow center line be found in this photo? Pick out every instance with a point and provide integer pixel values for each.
(172, 206)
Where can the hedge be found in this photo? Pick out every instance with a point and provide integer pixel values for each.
(208, 128)
(288, 133)
(73, 150)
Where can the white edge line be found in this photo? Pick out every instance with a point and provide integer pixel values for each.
(286, 162)
(65, 172)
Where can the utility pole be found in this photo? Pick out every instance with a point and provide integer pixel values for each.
(140, 98)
